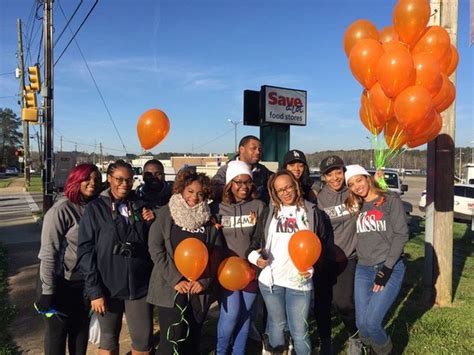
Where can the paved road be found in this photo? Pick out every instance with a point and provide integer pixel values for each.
(416, 184)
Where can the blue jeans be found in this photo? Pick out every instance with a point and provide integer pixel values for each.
(372, 307)
(287, 309)
(234, 321)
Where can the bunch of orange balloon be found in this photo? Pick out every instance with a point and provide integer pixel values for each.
(152, 127)
(405, 71)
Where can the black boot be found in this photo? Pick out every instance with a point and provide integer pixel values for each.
(385, 349)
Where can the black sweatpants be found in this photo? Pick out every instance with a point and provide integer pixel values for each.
(139, 315)
(174, 329)
(343, 293)
(74, 326)
(323, 280)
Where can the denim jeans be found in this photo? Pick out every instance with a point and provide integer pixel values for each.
(372, 307)
(287, 309)
(234, 321)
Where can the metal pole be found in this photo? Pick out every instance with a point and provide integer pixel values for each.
(26, 133)
(235, 123)
(47, 94)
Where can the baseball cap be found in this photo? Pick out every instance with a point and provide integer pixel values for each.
(329, 163)
(294, 156)
(353, 170)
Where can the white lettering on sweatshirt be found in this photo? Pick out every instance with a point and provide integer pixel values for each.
(371, 221)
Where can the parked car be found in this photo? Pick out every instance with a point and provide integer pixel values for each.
(12, 170)
(463, 202)
(392, 178)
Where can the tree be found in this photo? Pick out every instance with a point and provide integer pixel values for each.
(10, 137)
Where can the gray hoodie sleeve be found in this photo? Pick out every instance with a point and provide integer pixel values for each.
(399, 229)
(218, 183)
(55, 227)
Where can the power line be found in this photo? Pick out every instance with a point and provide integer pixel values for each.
(67, 24)
(77, 31)
(8, 97)
(9, 73)
(95, 83)
(214, 139)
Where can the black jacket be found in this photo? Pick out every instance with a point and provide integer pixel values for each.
(107, 274)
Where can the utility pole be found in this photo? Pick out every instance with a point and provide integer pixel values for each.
(100, 157)
(26, 133)
(440, 182)
(47, 94)
(61, 144)
(460, 163)
(235, 123)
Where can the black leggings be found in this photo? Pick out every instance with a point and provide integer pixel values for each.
(170, 319)
(74, 326)
(139, 315)
(323, 280)
(343, 293)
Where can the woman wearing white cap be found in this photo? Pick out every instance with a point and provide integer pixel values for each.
(382, 234)
(239, 214)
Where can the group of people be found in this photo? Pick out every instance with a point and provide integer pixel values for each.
(111, 251)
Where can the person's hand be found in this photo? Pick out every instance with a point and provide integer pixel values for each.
(44, 303)
(381, 278)
(98, 305)
(195, 287)
(306, 274)
(147, 215)
(262, 263)
(182, 287)
(379, 175)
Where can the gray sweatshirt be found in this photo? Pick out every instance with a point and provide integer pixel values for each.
(382, 231)
(338, 219)
(59, 238)
(239, 224)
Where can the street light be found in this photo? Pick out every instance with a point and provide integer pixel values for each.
(235, 123)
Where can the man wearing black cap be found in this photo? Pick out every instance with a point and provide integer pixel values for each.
(331, 200)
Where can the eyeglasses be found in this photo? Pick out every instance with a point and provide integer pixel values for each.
(240, 183)
(286, 189)
(121, 180)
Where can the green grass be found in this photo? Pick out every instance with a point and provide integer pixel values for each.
(5, 182)
(415, 326)
(36, 185)
(7, 312)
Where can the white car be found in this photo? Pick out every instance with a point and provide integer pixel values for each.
(463, 202)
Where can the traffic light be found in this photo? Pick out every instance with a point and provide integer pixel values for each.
(30, 110)
(34, 77)
(18, 153)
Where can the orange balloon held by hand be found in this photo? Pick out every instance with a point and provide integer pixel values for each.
(388, 34)
(235, 273)
(428, 73)
(358, 30)
(412, 106)
(382, 105)
(153, 126)
(410, 18)
(364, 59)
(446, 94)
(395, 72)
(191, 257)
(435, 40)
(304, 248)
(450, 61)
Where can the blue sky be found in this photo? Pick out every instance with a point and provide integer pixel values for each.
(193, 59)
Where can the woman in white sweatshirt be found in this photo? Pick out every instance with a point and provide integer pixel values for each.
(286, 291)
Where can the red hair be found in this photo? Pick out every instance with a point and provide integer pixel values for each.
(79, 174)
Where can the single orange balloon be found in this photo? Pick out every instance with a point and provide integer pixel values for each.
(381, 104)
(431, 133)
(388, 34)
(304, 248)
(191, 257)
(153, 126)
(412, 106)
(358, 30)
(374, 121)
(363, 61)
(364, 116)
(428, 73)
(435, 40)
(450, 61)
(395, 72)
(410, 18)
(446, 94)
(235, 273)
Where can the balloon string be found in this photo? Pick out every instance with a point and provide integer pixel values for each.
(183, 320)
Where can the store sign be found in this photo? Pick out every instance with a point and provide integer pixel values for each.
(282, 105)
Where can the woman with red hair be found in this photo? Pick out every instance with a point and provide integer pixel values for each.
(62, 285)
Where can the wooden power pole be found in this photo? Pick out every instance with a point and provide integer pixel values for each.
(47, 94)
(26, 128)
(440, 181)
